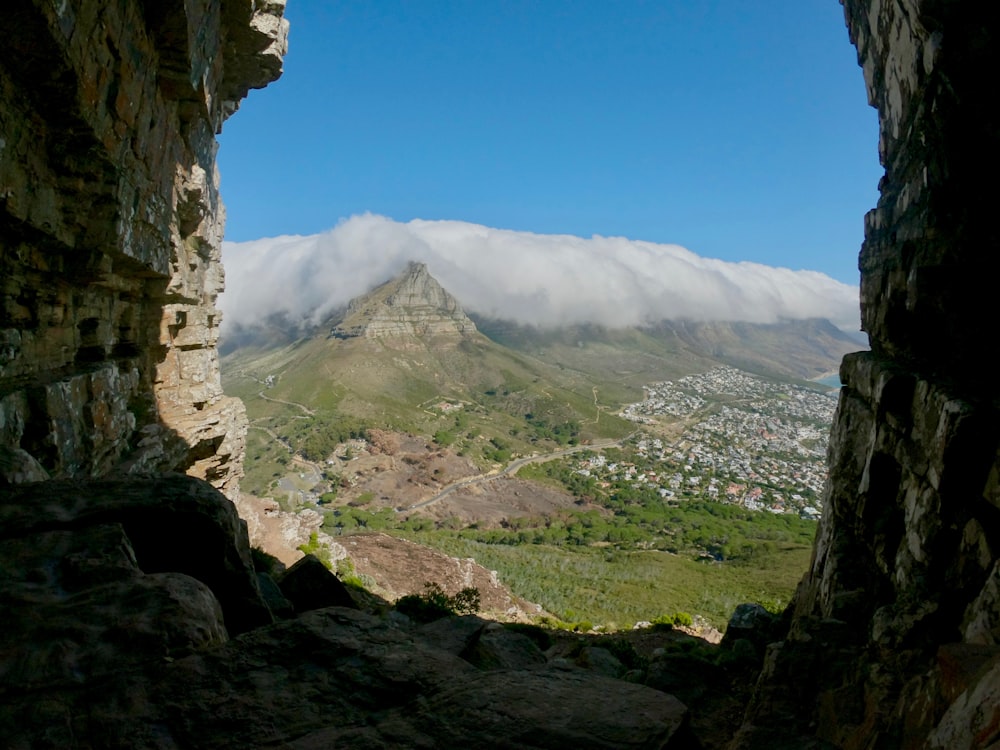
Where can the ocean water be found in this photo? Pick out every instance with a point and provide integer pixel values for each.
(831, 380)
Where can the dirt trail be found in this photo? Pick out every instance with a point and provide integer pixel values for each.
(514, 466)
(306, 409)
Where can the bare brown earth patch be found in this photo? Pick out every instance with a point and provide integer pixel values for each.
(490, 502)
(402, 471)
(405, 470)
(400, 567)
(277, 532)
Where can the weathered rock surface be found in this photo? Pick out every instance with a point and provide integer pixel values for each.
(110, 231)
(58, 531)
(398, 567)
(411, 305)
(121, 600)
(904, 572)
(98, 653)
(309, 585)
(280, 533)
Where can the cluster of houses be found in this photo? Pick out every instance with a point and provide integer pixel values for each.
(745, 441)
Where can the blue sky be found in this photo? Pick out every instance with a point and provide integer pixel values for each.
(738, 129)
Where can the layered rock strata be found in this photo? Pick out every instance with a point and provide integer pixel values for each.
(411, 305)
(110, 232)
(894, 635)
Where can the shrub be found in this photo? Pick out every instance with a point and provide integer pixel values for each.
(349, 576)
(434, 604)
(321, 551)
(667, 622)
(683, 618)
(264, 562)
(444, 438)
(625, 652)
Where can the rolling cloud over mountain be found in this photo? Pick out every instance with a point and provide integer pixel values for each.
(546, 280)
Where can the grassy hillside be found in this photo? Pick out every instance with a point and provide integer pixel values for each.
(798, 349)
(484, 400)
(617, 588)
(623, 360)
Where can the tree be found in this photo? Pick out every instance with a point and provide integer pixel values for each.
(444, 438)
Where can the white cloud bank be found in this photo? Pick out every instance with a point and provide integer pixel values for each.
(546, 280)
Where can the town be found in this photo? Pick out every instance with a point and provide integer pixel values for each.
(743, 440)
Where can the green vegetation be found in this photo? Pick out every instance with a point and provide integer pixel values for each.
(317, 438)
(434, 603)
(444, 438)
(349, 576)
(627, 554)
(618, 588)
(669, 621)
(634, 516)
(321, 552)
(628, 550)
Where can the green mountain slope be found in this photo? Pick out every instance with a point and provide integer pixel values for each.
(406, 358)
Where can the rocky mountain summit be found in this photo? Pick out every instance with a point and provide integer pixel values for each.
(413, 304)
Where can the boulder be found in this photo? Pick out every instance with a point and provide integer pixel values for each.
(753, 623)
(310, 585)
(173, 524)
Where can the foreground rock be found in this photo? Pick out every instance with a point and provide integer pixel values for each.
(63, 537)
(342, 678)
(895, 632)
(120, 604)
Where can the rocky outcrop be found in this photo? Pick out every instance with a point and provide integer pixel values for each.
(132, 618)
(110, 231)
(97, 577)
(413, 304)
(341, 678)
(895, 632)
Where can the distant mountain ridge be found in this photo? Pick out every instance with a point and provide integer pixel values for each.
(413, 309)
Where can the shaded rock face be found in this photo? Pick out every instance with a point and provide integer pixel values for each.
(110, 231)
(413, 304)
(133, 618)
(895, 632)
(341, 678)
(99, 577)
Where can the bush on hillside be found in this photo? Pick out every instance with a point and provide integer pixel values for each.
(434, 603)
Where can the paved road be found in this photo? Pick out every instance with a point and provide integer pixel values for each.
(514, 466)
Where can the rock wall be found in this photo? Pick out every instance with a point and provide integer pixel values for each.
(894, 637)
(110, 232)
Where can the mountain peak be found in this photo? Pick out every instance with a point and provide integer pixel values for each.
(412, 304)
